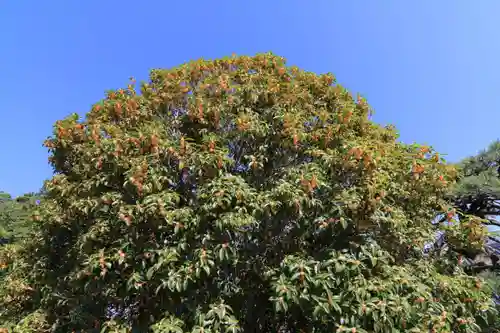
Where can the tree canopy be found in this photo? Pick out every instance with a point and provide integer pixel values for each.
(240, 195)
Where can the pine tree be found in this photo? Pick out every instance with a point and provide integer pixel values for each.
(239, 195)
(477, 192)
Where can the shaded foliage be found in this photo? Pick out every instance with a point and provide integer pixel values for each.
(240, 195)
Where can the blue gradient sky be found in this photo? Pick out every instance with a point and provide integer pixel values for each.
(429, 67)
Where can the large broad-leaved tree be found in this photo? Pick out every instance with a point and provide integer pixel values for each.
(240, 195)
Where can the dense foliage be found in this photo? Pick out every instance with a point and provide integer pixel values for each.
(240, 195)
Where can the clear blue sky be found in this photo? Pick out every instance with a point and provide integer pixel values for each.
(429, 67)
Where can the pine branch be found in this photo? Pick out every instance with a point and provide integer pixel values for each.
(492, 222)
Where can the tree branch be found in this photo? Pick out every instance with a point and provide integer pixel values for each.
(494, 239)
(492, 222)
(481, 268)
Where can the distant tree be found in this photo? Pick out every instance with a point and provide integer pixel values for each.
(4, 197)
(15, 226)
(15, 216)
(240, 195)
